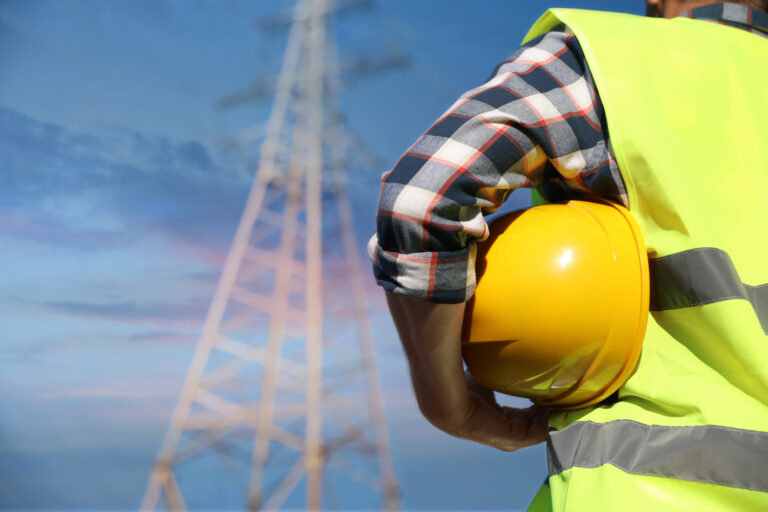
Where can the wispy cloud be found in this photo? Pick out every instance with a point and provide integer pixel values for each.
(127, 388)
(164, 337)
(153, 313)
(116, 187)
(71, 189)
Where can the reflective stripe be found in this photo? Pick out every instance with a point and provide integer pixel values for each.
(707, 453)
(702, 276)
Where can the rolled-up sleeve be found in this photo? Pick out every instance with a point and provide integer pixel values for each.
(537, 120)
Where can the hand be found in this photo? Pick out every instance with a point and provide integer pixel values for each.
(505, 428)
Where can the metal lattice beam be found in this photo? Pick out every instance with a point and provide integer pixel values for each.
(285, 367)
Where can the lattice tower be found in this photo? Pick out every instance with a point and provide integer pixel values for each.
(283, 391)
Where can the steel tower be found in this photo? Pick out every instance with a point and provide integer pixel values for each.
(283, 389)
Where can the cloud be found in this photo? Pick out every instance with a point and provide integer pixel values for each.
(56, 233)
(193, 154)
(152, 199)
(186, 314)
(83, 186)
(117, 389)
(164, 336)
(76, 189)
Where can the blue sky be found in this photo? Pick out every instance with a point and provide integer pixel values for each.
(120, 192)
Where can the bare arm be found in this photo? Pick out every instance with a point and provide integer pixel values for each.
(431, 337)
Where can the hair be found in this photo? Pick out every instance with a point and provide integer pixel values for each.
(761, 5)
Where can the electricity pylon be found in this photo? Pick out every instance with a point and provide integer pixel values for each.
(283, 386)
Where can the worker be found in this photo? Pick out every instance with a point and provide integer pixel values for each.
(666, 115)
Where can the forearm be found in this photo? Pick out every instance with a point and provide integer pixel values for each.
(430, 334)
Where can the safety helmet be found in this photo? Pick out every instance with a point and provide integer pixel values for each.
(561, 304)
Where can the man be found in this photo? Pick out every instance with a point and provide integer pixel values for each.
(687, 431)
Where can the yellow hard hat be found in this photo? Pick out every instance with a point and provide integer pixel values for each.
(561, 304)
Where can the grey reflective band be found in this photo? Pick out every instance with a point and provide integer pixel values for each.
(702, 276)
(709, 454)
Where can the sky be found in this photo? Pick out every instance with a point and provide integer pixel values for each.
(121, 185)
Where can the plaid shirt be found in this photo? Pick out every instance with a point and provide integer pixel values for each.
(538, 122)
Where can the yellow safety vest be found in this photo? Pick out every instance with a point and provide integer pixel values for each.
(686, 103)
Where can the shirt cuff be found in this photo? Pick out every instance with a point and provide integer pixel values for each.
(443, 277)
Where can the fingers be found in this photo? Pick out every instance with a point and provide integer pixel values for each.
(533, 411)
(530, 425)
(505, 428)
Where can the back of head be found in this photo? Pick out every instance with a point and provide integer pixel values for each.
(761, 5)
(674, 8)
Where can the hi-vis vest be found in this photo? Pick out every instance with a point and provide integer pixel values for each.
(686, 103)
